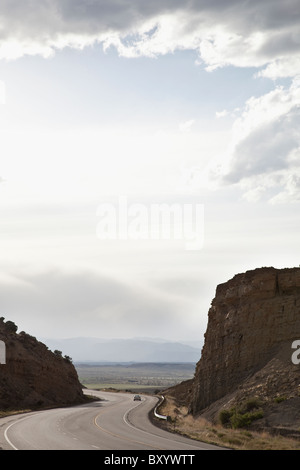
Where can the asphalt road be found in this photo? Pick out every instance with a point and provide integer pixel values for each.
(114, 423)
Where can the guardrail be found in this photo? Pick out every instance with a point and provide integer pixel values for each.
(155, 410)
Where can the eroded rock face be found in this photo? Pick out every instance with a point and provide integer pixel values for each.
(33, 376)
(253, 319)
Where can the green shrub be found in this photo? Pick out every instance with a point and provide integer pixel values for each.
(243, 416)
(68, 359)
(251, 404)
(239, 420)
(57, 353)
(11, 326)
(225, 416)
(279, 399)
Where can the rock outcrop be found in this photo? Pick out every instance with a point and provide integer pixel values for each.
(252, 323)
(32, 375)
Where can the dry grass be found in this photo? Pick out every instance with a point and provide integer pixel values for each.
(240, 439)
(4, 413)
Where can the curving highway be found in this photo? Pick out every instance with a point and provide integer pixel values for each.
(114, 423)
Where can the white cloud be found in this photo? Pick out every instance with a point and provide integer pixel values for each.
(241, 34)
(262, 160)
(186, 125)
(264, 153)
(221, 114)
(282, 68)
(259, 34)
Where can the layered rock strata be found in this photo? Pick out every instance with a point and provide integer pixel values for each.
(32, 376)
(252, 323)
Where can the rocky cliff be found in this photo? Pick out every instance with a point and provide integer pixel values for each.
(252, 322)
(32, 376)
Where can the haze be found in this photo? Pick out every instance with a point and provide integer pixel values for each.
(159, 102)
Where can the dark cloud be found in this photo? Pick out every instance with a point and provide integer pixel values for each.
(266, 149)
(282, 43)
(85, 303)
(264, 30)
(30, 18)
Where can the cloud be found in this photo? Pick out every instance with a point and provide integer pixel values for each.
(186, 125)
(88, 304)
(264, 35)
(264, 154)
(221, 114)
(243, 34)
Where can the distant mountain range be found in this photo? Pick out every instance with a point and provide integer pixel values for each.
(85, 349)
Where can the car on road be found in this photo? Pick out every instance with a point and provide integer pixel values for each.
(137, 398)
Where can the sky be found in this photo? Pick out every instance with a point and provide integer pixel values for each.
(112, 110)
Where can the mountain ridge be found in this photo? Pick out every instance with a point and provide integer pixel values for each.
(93, 349)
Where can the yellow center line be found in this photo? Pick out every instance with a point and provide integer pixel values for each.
(119, 436)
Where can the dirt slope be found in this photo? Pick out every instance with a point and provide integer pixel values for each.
(32, 375)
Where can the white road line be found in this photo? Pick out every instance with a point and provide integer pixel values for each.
(125, 419)
(10, 426)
